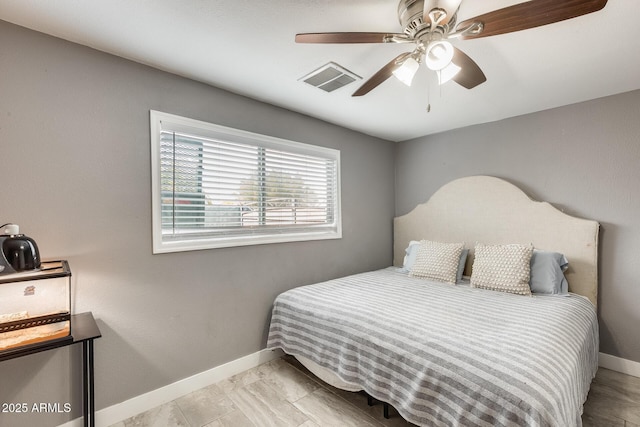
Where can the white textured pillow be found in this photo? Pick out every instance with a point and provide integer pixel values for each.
(437, 261)
(503, 268)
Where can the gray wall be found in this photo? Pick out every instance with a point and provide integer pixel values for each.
(583, 158)
(75, 175)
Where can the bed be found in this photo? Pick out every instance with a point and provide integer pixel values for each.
(445, 354)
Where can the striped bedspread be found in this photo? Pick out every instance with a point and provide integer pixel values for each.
(446, 355)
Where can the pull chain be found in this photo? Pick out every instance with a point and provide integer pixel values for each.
(428, 95)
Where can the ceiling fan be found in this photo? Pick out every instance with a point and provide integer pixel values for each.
(430, 24)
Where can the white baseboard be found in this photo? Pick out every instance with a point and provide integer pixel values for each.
(618, 364)
(121, 411)
(136, 405)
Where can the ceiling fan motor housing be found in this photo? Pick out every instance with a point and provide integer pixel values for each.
(411, 17)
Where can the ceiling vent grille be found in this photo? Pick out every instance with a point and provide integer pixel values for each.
(330, 77)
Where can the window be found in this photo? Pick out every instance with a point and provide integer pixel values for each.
(215, 186)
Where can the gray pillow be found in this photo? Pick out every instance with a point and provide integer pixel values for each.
(463, 261)
(547, 273)
(410, 256)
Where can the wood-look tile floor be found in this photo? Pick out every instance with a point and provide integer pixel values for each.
(283, 393)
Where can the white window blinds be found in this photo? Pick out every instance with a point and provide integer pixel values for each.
(218, 187)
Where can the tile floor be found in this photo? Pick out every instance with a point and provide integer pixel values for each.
(282, 393)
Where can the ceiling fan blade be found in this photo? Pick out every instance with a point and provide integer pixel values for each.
(348, 37)
(383, 74)
(470, 74)
(531, 14)
(450, 6)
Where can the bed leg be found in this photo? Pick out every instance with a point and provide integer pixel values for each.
(369, 400)
(386, 410)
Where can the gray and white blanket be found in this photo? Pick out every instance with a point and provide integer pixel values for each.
(446, 355)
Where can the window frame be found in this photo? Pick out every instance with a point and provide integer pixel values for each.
(210, 130)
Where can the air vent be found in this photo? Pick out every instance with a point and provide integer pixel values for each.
(330, 77)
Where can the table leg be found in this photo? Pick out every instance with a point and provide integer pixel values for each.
(88, 402)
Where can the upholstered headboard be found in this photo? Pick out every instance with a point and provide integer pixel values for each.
(492, 211)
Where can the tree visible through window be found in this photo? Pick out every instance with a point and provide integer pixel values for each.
(224, 187)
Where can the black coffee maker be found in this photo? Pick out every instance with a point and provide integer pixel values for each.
(17, 251)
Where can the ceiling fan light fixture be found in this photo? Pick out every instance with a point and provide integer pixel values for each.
(407, 70)
(438, 55)
(448, 72)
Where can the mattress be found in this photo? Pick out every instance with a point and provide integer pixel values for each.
(445, 355)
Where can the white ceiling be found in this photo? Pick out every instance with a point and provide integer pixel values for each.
(247, 47)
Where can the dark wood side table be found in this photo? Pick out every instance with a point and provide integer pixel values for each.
(83, 330)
